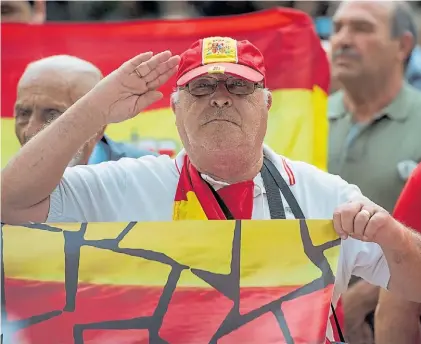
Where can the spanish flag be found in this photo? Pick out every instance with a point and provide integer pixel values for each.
(180, 282)
(296, 65)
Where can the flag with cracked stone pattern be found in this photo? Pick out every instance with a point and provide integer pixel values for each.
(181, 282)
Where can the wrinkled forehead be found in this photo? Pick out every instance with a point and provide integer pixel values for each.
(32, 96)
(66, 87)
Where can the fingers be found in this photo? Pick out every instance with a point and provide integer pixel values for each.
(145, 67)
(347, 216)
(162, 79)
(361, 221)
(151, 73)
(337, 223)
(129, 66)
(162, 68)
(374, 227)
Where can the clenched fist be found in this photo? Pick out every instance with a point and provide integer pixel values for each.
(365, 221)
(131, 88)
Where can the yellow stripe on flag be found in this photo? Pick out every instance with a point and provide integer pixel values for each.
(267, 247)
(271, 246)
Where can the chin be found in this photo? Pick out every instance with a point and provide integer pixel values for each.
(225, 144)
(220, 136)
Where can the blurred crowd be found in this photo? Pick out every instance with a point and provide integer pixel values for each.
(123, 10)
(374, 113)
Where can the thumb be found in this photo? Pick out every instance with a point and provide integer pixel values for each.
(147, 99)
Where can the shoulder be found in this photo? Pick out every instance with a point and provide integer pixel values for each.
(125, 167)
(316, 179)
(412, 97)
(320, 193)
(161, 165)
(406, 108)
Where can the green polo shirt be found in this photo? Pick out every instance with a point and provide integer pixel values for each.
(377, 156)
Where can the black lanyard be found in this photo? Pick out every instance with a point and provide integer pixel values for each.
(274, 182)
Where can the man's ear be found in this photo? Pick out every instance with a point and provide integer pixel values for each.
(269, 103)
(172, 105)
(407, 43)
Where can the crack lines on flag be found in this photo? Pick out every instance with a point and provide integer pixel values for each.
(139, 309)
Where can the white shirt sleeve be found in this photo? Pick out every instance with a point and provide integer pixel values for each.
(130, 189)
(362, 259)
(89, 193)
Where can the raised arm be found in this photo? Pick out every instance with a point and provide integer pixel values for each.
(398, 320)
(32, 175)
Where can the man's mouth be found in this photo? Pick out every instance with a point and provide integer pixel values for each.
(220, 120)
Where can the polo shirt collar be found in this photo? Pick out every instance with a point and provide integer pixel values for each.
(397, 110)
(259, 187)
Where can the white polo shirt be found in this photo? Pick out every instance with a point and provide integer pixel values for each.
(143, 190)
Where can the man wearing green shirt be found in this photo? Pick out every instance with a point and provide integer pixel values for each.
(375, 125)
(376, 153)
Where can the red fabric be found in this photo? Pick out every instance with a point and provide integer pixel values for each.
(294, 58)
(248, 55)
(193, 314)
(339, 311)
(408, 206)
(238, 197)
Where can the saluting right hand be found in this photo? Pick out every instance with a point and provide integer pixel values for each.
(131, 88)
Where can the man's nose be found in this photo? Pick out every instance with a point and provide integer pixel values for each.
(341, 38)
(221, 98)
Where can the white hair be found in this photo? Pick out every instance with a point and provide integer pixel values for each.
(64, 62)
(175, 96)
(71, 65)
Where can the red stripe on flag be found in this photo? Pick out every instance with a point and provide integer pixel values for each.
(293, 54)
(193, 315)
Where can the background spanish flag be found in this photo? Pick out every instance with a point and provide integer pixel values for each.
(181, 282)
(297, 72)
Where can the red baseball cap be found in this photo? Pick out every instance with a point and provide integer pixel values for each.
(221, 55)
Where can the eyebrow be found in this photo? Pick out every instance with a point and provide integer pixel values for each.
(20, 106)
(52, 106)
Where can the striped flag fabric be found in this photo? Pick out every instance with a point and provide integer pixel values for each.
(181, 282)
(296, 64)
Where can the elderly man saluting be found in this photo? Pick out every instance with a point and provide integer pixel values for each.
(221, 108)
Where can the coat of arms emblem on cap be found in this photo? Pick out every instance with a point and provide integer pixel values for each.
(219, 49)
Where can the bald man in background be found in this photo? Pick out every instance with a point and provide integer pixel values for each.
(46, 89)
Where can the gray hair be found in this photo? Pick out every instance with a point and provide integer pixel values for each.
(64, 61)
(175, 96)
(403, 21)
